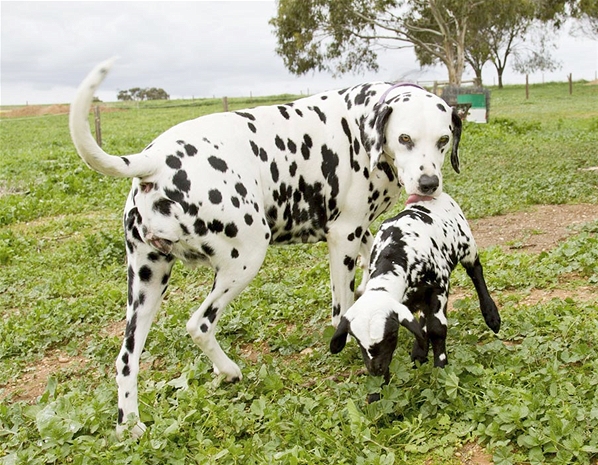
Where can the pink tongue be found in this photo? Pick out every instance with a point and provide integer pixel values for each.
(413, 198)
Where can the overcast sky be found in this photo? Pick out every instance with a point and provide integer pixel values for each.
(190, 49)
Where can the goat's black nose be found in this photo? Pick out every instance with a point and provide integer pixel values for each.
(428, 184)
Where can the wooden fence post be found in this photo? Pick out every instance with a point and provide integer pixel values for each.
(225, 103)
(526, 87)
(96, 112)
(570, 77)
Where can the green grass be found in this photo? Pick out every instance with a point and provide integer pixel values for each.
(528, 395)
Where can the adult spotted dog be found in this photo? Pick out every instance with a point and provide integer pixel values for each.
(218, 189)
(412, 259)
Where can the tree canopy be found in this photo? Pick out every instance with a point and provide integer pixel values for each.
(340, 36)
(148, 93)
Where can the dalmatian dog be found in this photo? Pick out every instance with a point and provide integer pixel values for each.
(217, 190)
(412, 259)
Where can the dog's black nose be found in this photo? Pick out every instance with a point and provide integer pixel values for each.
(428, 184)
(378, 367)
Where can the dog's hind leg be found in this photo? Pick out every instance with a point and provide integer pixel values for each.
(230, 279)
(148, 275)
(487, 305)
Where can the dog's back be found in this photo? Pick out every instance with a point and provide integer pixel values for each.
(423, 244)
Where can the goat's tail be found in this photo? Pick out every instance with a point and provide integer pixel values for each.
(129, 166)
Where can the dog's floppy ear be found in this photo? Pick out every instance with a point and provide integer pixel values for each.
(339, 339)
(414, 327)
(373, 134)
(407, 320)
(457, 126)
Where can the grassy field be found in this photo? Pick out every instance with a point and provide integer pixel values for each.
(528, 395)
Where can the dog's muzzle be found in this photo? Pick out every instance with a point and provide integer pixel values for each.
(162, 245)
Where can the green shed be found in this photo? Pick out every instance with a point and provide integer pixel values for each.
(478, 111)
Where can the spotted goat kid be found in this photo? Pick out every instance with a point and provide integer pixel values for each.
(217, 190)
(412, 259)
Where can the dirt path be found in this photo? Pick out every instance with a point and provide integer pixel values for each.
(538, 229)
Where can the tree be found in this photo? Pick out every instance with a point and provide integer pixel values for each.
(136, 93)
(586, 13)
(499, 29)
(497, 33)
(439, 31)
(537, 59)
(156, 94)
(124, 95)
(341, 36)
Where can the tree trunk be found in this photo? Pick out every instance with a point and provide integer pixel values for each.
(500, 68)
(477, 81)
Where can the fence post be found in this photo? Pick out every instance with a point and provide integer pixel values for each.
(526, 87)
(96, 112)
(570, 77)
(225, 103)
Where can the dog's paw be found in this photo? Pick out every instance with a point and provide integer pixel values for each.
(122, 430)
(232, 373)
(491, 315)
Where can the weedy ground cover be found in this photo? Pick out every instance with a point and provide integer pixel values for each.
(528, 395)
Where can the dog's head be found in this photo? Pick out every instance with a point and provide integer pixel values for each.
(374, 322)
(415, 130)
(157, 216)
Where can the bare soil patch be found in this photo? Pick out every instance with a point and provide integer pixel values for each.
(33, 381)
(44, 110)
(36, 110)
(535, 230)
(473, 454)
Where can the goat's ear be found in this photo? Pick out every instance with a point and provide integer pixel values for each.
(373, 132)
(339, 338)
(457, 127)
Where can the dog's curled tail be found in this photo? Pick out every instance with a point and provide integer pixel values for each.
(136, 165)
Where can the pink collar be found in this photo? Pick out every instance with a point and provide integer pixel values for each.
(394, 86)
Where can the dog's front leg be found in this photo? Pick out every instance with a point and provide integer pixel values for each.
(365, 251)
(437, 327)
(343, 259)
(148, 275)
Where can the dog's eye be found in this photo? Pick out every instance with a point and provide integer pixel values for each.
(404, 139)
(443, 141)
